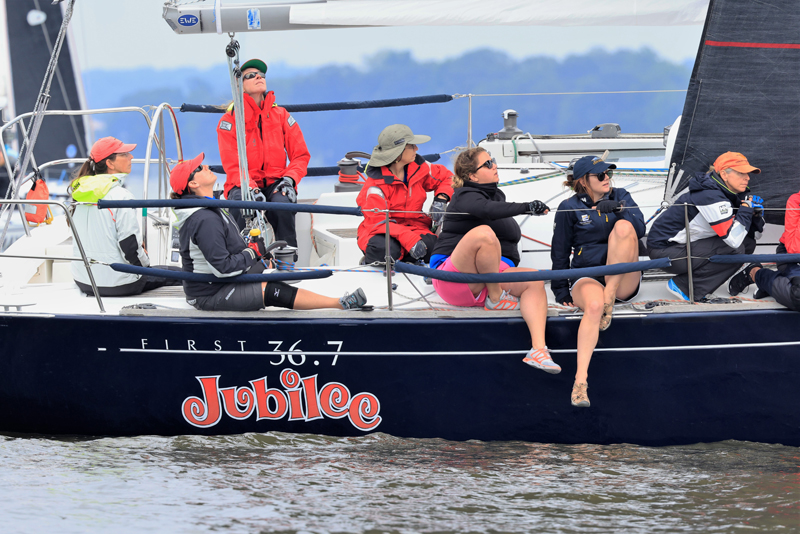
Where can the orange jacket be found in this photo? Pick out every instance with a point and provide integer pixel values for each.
(267, 150)
(791, 233)
(382, 189)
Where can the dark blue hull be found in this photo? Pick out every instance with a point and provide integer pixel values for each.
(655, 379)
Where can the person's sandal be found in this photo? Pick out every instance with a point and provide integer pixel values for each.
(605, 320)
(579, 396)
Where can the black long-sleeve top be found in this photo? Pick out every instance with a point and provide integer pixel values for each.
(485, 204)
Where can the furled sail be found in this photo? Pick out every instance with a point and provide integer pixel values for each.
(744, 96)
(220, 16)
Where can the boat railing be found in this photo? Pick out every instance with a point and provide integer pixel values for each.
(402, 267)
(316, 273)
(154, 138)
(418, 100)
(19, 120)
(163, 169)
(83, 258)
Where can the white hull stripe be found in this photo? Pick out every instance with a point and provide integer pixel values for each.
(471, 352)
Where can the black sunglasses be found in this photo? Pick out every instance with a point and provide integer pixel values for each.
(603, 176)
(191, 175)
(489, 164)
(251, 75)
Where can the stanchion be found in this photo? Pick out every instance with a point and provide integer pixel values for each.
(388, 261)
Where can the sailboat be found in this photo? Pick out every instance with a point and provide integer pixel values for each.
(665, 373)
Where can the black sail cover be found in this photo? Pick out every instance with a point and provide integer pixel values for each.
(744, 96)
(60, 137)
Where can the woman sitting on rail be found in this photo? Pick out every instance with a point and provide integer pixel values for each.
(210, 243)
(479, 235)
(599, 225)
(111, 235)
(398, 179)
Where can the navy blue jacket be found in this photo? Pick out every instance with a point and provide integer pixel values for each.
(714, 211)
(584, 234)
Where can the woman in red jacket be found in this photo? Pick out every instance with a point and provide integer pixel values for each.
(398, 179)
(272, 137)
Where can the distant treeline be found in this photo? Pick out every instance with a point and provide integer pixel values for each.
(396, 74)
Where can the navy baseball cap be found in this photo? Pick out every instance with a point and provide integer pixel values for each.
(590, 165)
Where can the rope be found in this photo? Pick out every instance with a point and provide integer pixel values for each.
(240, 204)
(750, 258)
(335, 106)
(581, 93)
(326, 171)
(241, 279)
(533, 276)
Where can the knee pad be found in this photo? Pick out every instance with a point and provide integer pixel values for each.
(280, 294)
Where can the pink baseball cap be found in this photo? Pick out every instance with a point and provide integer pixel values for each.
(179, 177)
(106, 146)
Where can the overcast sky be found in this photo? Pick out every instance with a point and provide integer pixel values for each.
(118, 34)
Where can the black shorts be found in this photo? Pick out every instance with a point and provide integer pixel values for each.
(602, 280)
(231, 297)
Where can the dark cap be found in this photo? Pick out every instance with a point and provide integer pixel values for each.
(590, 165)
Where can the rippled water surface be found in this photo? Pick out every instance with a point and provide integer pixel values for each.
(377, 483)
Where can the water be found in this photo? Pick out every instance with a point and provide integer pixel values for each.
(377, 483)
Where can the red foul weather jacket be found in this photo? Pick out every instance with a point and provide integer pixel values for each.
(791, 235)
(383, 190)
(272, 135)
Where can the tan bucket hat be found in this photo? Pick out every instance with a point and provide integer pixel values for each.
(391, 143)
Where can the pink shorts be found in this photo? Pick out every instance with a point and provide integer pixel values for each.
(457, 294)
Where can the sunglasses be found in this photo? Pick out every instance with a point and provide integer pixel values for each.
(603, 176)
(489, 164)
(251, 75)
(191, 175)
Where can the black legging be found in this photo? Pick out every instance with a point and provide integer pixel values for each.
(145, 283)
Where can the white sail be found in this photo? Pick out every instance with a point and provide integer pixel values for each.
(220, 16)
(505, 13)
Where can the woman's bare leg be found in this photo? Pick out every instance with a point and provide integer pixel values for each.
(588, 295)
(533, 304)
(623, 247)
(479, 252)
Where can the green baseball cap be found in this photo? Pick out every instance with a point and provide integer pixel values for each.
(255, 64)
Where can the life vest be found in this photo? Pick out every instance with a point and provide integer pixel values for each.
(37, 214)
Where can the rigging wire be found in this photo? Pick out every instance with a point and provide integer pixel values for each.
(42, 101)
(72, 119)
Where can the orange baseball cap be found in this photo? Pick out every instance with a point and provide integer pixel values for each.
(106, 146)
(179, 176)
(735, 161)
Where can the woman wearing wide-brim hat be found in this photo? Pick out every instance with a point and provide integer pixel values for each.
(398, 179)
